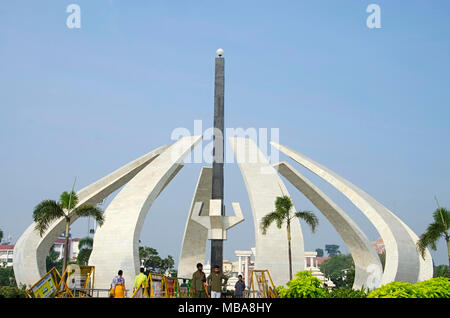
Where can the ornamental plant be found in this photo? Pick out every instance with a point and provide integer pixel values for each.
(303, 286)
(344, 292)
(12, 292)
(438, 287)
(396, 290)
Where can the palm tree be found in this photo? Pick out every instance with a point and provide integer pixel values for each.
(282, 213)
(85, 249)
(439, 228)
(48, 211)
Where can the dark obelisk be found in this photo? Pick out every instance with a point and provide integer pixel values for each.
(218, 150)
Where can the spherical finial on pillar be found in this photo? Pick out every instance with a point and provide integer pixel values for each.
(219, 52)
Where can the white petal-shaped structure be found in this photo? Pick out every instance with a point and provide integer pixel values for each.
(403, 262)
(116, 243)
(368, 268)
(264, 186)
(193, 248)
(31, 249)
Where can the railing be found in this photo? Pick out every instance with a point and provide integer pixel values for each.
(104, 293)
(252, 294)
(93, 292)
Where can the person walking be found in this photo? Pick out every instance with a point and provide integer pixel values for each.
(118, 289)
(140, 283)
(198, 282)
(216, 281)
(239, 288)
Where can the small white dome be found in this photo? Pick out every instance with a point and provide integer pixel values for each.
(219, 52)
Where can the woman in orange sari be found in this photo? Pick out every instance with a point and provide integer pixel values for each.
(118, 289)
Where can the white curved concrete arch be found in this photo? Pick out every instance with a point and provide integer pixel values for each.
(264, 186)
(368, 268)
(31, 249)
(403, 262)
(116, 243)
(193, 248)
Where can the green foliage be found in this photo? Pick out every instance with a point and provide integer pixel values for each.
(1, 235)
(12, 292)
(340, 269)
(303, 286)
(434, 288)
(7, 277)
(319, 252)
(382, 258)
(85, 250)
(332, 249)
(52, 261)
(67, 198)
(83, 256)
(86, 242)
(439, 228)
(45, 213)
(345, 292)
(441, 271)
(282, 213)
(395, 290)
(48, 211)
(154, 263)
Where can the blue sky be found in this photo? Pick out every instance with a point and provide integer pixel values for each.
(370, 104)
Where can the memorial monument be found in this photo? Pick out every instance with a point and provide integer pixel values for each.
(116, 243)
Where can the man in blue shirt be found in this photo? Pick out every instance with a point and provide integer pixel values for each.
(239, 288)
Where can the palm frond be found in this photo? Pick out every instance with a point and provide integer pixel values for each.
(432, 234)
(422, 244)
(269, 219)
(442, 216)
(45, 213)
(283, 205)
(435, 231)
(89, 210)
(85, 242)
(309, 218)
(83, 256)
(66, 197)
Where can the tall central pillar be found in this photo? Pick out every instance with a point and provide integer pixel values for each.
(218, 151)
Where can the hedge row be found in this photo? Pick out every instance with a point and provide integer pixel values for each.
(307, 286)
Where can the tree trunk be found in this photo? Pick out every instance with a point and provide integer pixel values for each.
(66, 246)
(288, 229)
(448, 250)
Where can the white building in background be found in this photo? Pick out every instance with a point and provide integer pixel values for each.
(58, 247)
(7, 251)
(6, 255)
(75, 250)
(312, 265)
(232, 269)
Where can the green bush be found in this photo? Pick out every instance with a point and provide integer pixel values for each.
(303, 286)
(12, 292)
(347, 293)
(395, 290)
(438, 287)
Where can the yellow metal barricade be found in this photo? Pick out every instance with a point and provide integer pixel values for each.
(51, 285)
(260, 280)
(80, 278)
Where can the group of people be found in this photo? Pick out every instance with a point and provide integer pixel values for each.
(200, 284)
(214, 282)
(118, 289)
